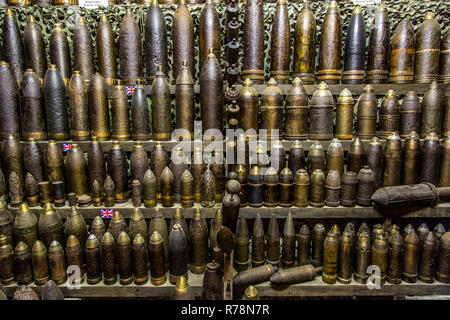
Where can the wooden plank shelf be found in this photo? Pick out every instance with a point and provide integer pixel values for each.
(442, 210)
(313, 288)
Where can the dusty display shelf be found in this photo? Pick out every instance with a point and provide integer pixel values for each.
(313, 288)
(442, 210)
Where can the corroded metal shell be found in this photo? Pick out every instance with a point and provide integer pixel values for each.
(79, 108)
(161, 107)
(183, 39)
(432, 111)
(366, 186)
(355, 47)
(130, 53)
(60, 51)
(389, 120)
(76, 171)
(34, 47)
(321, 113)
(431, 159)
(392, 161)
(411, 159)
(271, 109)
(335, 157)
(402, 53)
(184, 100)
(253, 63)
(12, 45)
(9, 108)
(155, 41)
(98, 108)
(32, 107)
(296, 126)
(106, 52)
(305, 45)
(444, 61)
(280, 45)
(367, 113)
(83, 49)
(410, 114)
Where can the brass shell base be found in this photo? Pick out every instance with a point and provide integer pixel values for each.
(109, 281)
(140, 280)
(409, 278)
(197, 269)
(94, 280)
(126, 281)
(158, 281)
(173, 278)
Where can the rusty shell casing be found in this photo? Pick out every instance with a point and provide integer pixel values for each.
(249, 105)
(161, 107)
(124, 259)
(444, 60)
(389, 115)
(446, 120)
(444, 176)
(40, 263)
(367, 114)
(76, 225)
(25, 226)
(149, 189)
(32, 107)
(209, 34)
(117, 169)
(294, 275)
(431, 159)
(96, 162)
(333, 189)
(140, 119)
(362, 258)
(211, 96)
(16, 190)
(253, 63)
(7, 274)
(159, 159)
(57, 263)
(45, 194)
(184, 100)
(139, 260)
(410, 114)
(321, 113)
(155, 41)
(6, 222)
(286, 188)
(182, 290)
(136, 193)
(22, 262)
(349, 189)
(252, 277)
(198, 244)
(402, 53)
(379, 48)
(109, 262)
(258, 243)
(74, 257)
(83, 54)
(335, 157)
(138, 163)
(255, 187)
(316, 158)
(178, 254)
(98, 108)
(93, 260)
(242, 257)
(317, 189)
(428, 41)
(296, 158)
(60, 51)
(198, 167)
(76, 171)
(50, 226)
(34, 48)
(346, 255)
(271, 188)
(330, 258)
(271, 109)
(9, 108)
(59, 194)
(304, 246)
(330, 47)
(273, 242)
(183, 39)
(130, 53)
(11, 158)
(79, 108)
(432, 111)
(380, 255)
(356, 156)
(106, 50)
(374, 159)
(305, 45)
(344, 115)
(355, 49)
(428, 257)
(208, 189)
(120, 114)
(301, 188)
(411, 254)
(411, 160)
(280, 44)
(392, 161)
(443, 265)
(288, 241)
(56, 105)
(187, 189)
(318, 237)
(212, 288)
(12, 45)
(296, 126)
(395, 258)
(366, 186)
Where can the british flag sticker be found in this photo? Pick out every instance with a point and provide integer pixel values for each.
(67, 146)
(129, 90)
(106, 213)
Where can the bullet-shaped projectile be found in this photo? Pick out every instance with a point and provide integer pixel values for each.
(161, 106)
(198, 243)
(12, 45)
(10, 123)
(280, 45)
(34, 47)
(109, 262)
(209, 34)
(167, 187)
(76, 171)
(258, 243)
(356, 156)
(344, 115)
(411, 257)
(296, 158)
(140, 256)
(57, 263)
(183, 35)
(335, 157)
(106, 52)
(411, 159)
(332, 189)
(98, 107)
(157, 259)
(374, 159)
(432, 111)
(178, 254)
(78, 104)
(253, 63)
(389, 115)
(355, 49)
(93, 260)
(32, 100)
(22, 264)
(289, 238)
(155, 41)
(395, 258)
(40, 263)
(366, 186)
(6, 222)
(249, 105)
(149, 189)
(443, 269)
(83, 49)
(431, 159)
(367, 113)
(321, 111)
(25, 226)
(305, 45)
(16, 192)
(304, 246)
(11, 158)
(273, 242)
(402, 53)
(184, 98)
(140, 121)
(317, 189)
(50, 226)
(60, 51)
(123, 247)
(410, 114)
(74, 257)
(252, 277)
(76, 225)
(159, 159)
(212, 288)
(392, 161)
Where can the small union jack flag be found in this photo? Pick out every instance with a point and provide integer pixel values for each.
(106, 213)
(129, 90)
(67, 146)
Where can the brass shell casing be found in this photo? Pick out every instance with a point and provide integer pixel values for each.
(305, 45)
(411, 159)
(392, 161)
(161, 106)
(367, 114)
(344, 115)
(296, 126)
(184, 100)
(98, 108)
(271, 109)
(330, 258)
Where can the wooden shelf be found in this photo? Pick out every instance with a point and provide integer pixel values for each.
(442, 210)
(313, 288)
